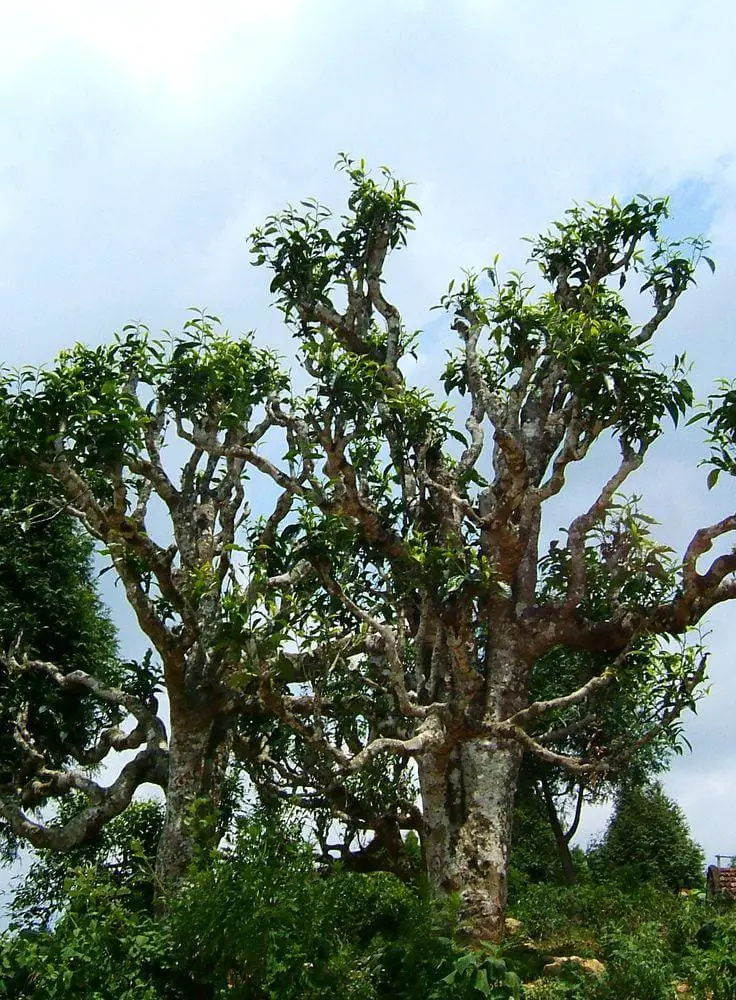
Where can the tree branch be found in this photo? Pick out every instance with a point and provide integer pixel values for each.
(578, 531)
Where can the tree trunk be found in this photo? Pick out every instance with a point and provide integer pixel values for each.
(562, 838)
(563, 849)
(197, 764)
(468, 802)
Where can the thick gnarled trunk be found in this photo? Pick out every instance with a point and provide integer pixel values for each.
(468, 801)
(197, 764)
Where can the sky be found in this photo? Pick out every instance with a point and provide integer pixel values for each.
(141, 142)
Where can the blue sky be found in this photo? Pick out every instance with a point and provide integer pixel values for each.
(141, 142)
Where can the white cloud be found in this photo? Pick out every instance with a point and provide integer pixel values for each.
(174, 45)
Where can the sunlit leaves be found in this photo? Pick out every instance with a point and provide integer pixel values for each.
(651, 683)
(595, 241)
(585, 349)
(93, 406)
(311, 254)
(720, 418)
(208, 376)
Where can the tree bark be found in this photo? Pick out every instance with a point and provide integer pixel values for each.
(468, 796)
(197, 766)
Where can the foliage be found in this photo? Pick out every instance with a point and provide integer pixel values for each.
(100, 948)
(263, 914)
(259, 921)
(47, 592)
(648, 841)
(393, 601)
(630, 730)
(637, 965)
(582, 912)
(534, 856)
(709, 958)
(648, 940)
(121, 854)
(481, 973)
(720, 417)
(48, 602)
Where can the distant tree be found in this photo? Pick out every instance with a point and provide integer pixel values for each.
(390, 602)
(49, 602)
(648, 841)
(534, 855)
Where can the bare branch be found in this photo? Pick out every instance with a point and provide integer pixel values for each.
(78, 679)
(149, 765)
(663, 309)
(538, 708)
(390, 640)
(702, 542)
(575, 446)
(576, 765)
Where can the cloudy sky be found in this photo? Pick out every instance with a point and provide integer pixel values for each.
(141, 142)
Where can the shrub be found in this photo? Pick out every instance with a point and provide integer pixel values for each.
(638, 966)
(261, 922)
(121, 854)
(255, 922)
(99, 949)
(587, 909)
(709, 963)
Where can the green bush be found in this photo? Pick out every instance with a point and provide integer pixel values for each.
(261, 922)
(648, 939)
(552, 989)
(100, 949)
(587, 909)
(122, 854)
(255, 922)
(709, 962)
(638, 966)
(533, 858)
(479, 973)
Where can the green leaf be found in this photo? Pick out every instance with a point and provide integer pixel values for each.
(458, 437)
(698, 416)
(481, 984)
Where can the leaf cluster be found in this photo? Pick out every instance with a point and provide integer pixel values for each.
(95, 404)
(309, 258)
(49, 602)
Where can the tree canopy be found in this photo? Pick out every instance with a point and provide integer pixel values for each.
(355, 575)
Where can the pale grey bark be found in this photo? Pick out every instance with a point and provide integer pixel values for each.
(468, 803)
(37, 781)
